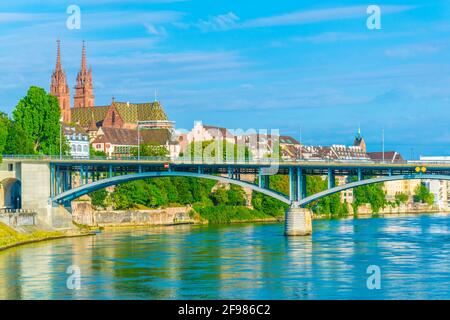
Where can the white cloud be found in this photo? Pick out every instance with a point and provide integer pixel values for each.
(230, 20)
(411, 50)
(155, 30)
(221, 22)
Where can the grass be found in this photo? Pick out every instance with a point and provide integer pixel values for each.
(9, 236)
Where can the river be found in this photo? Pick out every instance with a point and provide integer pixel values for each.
(242, 261)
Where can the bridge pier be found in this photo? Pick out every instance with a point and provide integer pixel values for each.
(298, 222)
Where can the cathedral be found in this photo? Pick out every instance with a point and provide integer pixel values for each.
(84, 113)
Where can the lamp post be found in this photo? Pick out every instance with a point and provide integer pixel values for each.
(60, 137)
(139, 142)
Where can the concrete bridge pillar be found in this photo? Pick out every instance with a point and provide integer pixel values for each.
(298, 222)
(38, 180)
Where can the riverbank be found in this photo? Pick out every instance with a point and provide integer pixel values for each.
(10, 238)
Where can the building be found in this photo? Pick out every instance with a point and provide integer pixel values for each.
(78, 141)
(122, 115)
(88, 119)
(440, 190)
(334, 152)
(387, 156)
(408, 187)
(59, 87)
(202, 132)
(359, 141)
(346, 195)
(290, 148)
(84, 90)
(120, 142)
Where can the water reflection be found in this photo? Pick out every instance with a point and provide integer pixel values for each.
(239, 261)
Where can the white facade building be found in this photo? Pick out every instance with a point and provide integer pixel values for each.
(78, 142)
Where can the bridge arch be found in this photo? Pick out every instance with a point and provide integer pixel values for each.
(11, 194)
(67, 196)
(360, 183)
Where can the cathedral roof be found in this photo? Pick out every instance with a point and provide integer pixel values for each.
(84, 116)
(129, 112)
(130, 137)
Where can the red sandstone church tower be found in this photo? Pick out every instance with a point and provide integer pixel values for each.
(84, 91)
(59, 87)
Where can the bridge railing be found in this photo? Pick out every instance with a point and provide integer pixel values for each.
(200, 160)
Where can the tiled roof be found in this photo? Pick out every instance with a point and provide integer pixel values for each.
(129, 137)
(129, 112)
(133, 112)
(288, 140)
(84, 116)
(213, 130)
(388, 156)
(334, 152)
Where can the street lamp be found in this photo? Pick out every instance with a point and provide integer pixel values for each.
(60, 137)
(139, 141)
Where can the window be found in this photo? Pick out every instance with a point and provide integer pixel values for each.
(10, 167)
(79, 148)
(85, 149)
(113, 118)
(98, 146)
(74, 148)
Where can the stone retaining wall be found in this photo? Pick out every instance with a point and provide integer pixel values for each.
(83, 213)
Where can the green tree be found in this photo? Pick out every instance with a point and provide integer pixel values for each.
(4, 126)
(17, 141)
(38, 114)
(98, 197)
(236, 196)
(401, 197)
(373, 194)
(96, 153)
(423, 195)
(207, 150)
(150, 150)
(220, 196)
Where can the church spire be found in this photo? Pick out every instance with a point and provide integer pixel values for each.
(83, 57)
(84, 91)
(59, 87)
(58, 55)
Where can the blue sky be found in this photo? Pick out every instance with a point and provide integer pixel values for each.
(309, 65)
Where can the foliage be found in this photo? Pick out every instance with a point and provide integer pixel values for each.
(373, 194)
(150, 150)
(38, 114)
(4, 125)
(98, 198)
(96, 153)
(400, 198)
(17, 141)
(328, 205)
(423, 195)
(227, 214)
(268, 205)
(207, 150)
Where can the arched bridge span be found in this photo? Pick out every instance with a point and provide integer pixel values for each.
(305, 201)
(75, 193)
